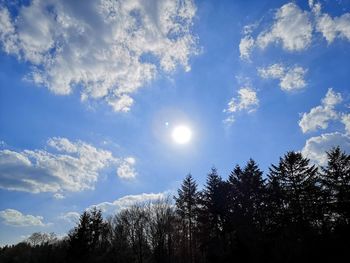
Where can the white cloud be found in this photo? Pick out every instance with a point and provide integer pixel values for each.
(13, 217)
(108, 49)
(245, 47)
(247, 100)
(291, 78)
(7, 32)
(331, 28)
(291, 27)
(69, 166)
(58, 196)
(294, 28)
(71, 217)
(315, 148)
(319, 116)
(111, 208)
(346, 121)
(126, 169)
(128, 201)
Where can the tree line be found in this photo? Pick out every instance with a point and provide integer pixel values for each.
(297, 212)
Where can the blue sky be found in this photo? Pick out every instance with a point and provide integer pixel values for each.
(91, 92)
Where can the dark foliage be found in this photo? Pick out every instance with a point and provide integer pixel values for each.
(299, 212)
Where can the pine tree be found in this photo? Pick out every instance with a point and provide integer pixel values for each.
(336, 184)
(298, 182)
(87, 239)
(247, 211)
(212, 215)
(187, 209)
(80, 239)
(248, 189)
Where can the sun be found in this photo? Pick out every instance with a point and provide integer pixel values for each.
(181, 134)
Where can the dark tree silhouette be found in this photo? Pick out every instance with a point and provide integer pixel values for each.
(296, 183)
(335, 178)
(88, 239)
(211, 218)
(248, 208)
(187, 210)
(300, 212)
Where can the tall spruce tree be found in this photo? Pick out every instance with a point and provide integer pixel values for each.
(248, 189)
(187, 209)
(247, 213)
(298, 182)
(336, 184)
(88, 239)
(212, 217)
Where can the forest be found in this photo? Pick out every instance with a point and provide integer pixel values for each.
(295, 212)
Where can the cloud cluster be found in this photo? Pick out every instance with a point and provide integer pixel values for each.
(68, 166)
(246, 100)
(108, 49)
(294, 29)
(291, 78)
(331, 28)
(319, 116)
(13, 217)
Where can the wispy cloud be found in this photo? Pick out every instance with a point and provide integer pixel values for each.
(246, 46)
(246, 100)
(70, 217)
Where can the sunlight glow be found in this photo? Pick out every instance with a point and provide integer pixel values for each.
(181, 134)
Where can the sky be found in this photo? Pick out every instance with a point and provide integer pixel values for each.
(92, 91)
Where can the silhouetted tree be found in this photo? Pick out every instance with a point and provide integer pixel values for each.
(296, 183)
(162, 223)
(248, 208)
(87, 239)
(187, 209)
(336, 184)
(299, 214)
(119, 250)
(211, 217)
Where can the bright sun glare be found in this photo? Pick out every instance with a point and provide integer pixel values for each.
(182, 134)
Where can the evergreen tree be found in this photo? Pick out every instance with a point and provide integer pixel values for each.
(87, 239)
(298, 181)
(187, 209)
(212, 217)
(336, 184)
(248, 189)
(298, 216)
(247, 213)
